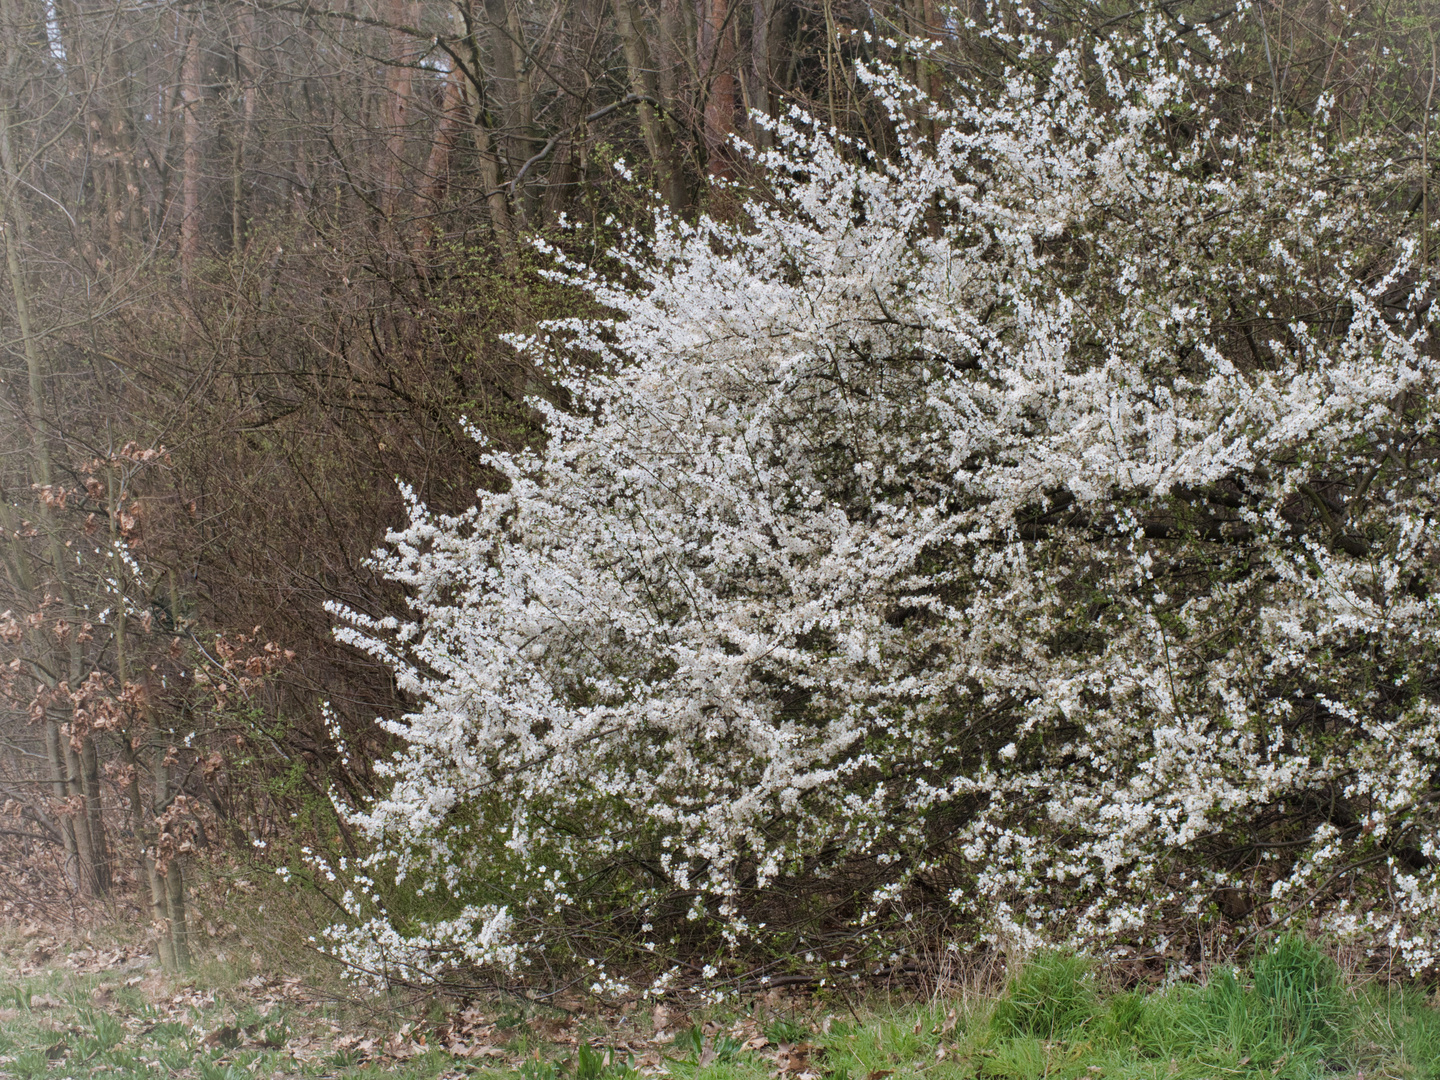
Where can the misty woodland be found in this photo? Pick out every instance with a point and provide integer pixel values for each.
(717, 492)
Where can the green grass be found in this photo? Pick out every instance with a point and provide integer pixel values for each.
(92, 1026)
(1291, 1015)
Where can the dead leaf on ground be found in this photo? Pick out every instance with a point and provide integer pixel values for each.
(796, 1060)
(487, 1051)
(401, 1047)
(364, 1048)
(947, 1025)
(748, 1034)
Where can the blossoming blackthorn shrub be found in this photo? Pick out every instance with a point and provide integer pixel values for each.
(1043, 516)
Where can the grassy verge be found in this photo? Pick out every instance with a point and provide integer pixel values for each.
(87, 1014)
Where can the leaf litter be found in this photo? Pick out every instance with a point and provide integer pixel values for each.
(295, 1027)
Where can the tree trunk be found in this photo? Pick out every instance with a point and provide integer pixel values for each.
(400, 88)
(517, 137)
(719, 42)
(245, 78)
(491, 172)
(179, 925)
(140, 821)
(79, 815)
(100, 867)
(190, 221)
(167, 889)
(453, 120)
(659, 141)
(762, 12)
(145, 844)
(53, 751)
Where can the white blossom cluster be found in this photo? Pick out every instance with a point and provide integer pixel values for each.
(1045, 515)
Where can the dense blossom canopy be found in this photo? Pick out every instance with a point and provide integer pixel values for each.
(1043, 517)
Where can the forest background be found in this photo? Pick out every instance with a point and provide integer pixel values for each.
(260, 257)
(260, 260)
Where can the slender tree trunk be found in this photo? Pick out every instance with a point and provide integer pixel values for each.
(672, 33)
(190, 220)
(65, 774)
(95, 812)
(453, 120)
(491, 175)
(674, 57)
(719, 43)
(114, 198)
(762, 12)
(400, 89)
(179, 924)
(644, 81)
(79, 813)
(168, 881)
(245, 78)
(529, 139)
(145, 846)
(56, 756)
(517, 141)
(24, 580)
(125, 210)
(130, 742)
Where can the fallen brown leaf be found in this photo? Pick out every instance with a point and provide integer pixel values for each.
(947, 1025)
(795, 1060)
(477, 1051)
